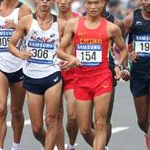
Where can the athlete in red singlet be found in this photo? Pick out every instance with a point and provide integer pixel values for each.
(93, 84)
(65, 14)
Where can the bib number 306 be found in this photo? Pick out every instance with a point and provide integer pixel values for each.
(39, 53)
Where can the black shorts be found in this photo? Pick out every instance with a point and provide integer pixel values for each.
(15, 76)
(39, 86)
(139, 86)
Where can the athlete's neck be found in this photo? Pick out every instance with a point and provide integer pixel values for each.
(146, 14)
(9, 3)
(93, 19)
(44, 16)
(65, 15)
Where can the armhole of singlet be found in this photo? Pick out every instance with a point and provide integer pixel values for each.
(78, 25)
(134, 16)
(34, 16)
(54, 18)
(104, 24)
(19, 5)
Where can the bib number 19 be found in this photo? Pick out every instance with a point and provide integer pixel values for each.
(145, 46)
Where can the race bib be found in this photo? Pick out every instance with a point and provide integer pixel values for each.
(5, 36)
(89, 54)
(43, 52)
(142, 45)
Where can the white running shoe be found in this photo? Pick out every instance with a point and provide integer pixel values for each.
(70, 147)
(14, 148)
(106, 148)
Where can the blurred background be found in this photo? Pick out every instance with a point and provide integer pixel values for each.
(118, 8)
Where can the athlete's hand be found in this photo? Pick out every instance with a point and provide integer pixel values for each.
(126, 75)
(73, 62)
(117, 73)
(25, 55)
(133, 56)
(10, 24)
(63, 65)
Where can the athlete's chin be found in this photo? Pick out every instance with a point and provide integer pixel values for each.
(94, 15)
(45, 9)
(63, 10)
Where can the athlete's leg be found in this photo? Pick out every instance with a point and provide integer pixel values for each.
(17, 101)
(72, 127)
(109, 125)
(36, 106)
(142, 109)
(83, 109)
(101, 104)
(52, 99)
(4, 86)
(60, 141)
(148, 134)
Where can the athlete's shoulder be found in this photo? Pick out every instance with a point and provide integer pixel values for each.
(74, 21)
(24, 10)
(25, 20)
(113, 29)
(128, 20)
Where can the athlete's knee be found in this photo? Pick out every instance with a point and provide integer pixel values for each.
(16, 113)
(72, 118)
(100, 124)
(86, 130)
(3, 111)
(37, 130)
(51, 121)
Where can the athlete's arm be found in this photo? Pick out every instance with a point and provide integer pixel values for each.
(24, 10)
(116, 35)
(127, 23)
(65, 42)
(17, 35)
(120, 24)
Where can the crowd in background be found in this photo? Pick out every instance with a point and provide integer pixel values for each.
(117, 7)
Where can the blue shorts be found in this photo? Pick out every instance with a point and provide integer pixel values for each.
(139, 87)
(39, 86)
(15, 76)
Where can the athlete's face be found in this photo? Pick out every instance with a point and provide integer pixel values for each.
(44, 5)
(64, 5)
(146, 5)
(94, 7)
